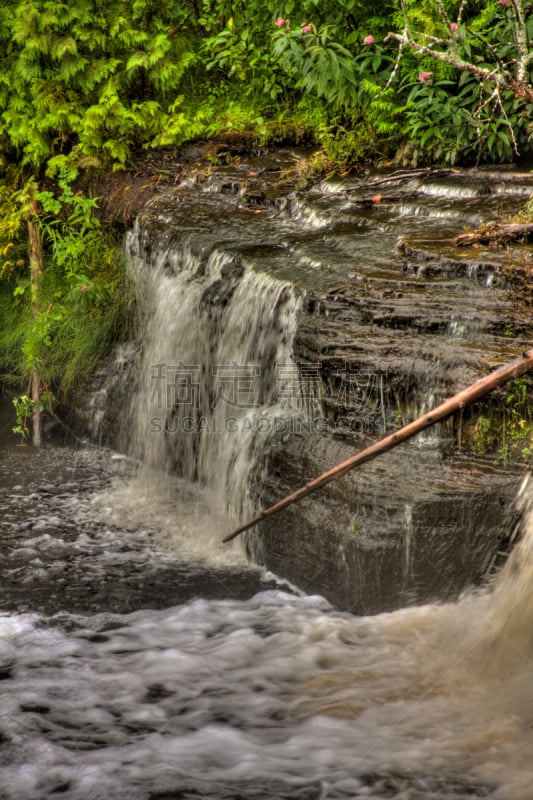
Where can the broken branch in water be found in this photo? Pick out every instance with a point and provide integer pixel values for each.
(406, 175)
(498, 233)
(498, 378)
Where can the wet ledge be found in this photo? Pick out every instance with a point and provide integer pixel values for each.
(392, 319)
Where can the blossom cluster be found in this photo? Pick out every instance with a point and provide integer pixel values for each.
(306, 27)
(425, 77)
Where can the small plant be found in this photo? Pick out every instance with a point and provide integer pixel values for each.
(506, 430)
(24, 409)
(482, 439)
(475, 93)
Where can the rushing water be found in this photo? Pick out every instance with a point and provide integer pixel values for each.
(215, 368)
(141, 659)
(129, 670)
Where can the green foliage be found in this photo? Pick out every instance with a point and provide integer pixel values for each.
(14, 315)
(73, 235)
(24, 408)
(234, 55)
(83, 290)
(75, 335)
(455, 115)
(83, 336)
(83, 301)
(456, 120)
(97, 78)
(12, 232)
(506, 429)
(323, 66)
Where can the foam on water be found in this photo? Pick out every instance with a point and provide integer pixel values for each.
(106, 540)
(278, 697)
(178, 515)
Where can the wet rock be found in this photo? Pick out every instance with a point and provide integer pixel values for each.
(405, 529)
(394, 318)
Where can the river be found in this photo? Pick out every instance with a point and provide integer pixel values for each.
(129, 670)
(142, 659)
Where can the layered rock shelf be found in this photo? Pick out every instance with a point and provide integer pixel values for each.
(394, 317)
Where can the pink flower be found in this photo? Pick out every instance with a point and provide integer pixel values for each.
(280, 22)
(503, 2)
(84, 288)
(425, 76)
(454, 26)
(306, 28)
(368, 40)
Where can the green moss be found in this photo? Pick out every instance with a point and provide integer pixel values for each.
(503, 428)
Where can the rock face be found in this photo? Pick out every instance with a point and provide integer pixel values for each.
(405, 529)
(392, 319)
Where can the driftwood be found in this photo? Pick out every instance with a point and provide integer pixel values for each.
(498, 378)
(406, 175)
(498, 233)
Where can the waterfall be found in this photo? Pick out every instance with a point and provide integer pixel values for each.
(220, 395)
(216, 376)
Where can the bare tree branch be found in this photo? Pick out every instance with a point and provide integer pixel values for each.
(512, 75)
(521, 39)
(461, 12)
(442, 12)
(478, 389)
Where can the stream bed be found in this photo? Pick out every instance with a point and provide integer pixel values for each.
(134, 664)
(140, 659)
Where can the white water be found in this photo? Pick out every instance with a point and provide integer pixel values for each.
(275, 697)
(179, 517)
(217, 378)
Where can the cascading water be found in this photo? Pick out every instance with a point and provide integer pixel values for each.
(276, 696)
(216, 365)
(130, 669)
(213, 383)
(216, 370)
(503, 640)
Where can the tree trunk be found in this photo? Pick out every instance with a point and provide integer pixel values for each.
(36, 258)
(37, 421)
(498, 378)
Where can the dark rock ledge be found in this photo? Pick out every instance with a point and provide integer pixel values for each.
(397, 309)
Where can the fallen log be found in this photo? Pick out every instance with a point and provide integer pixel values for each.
(406, 175)
(497, 233)
(481, 387)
